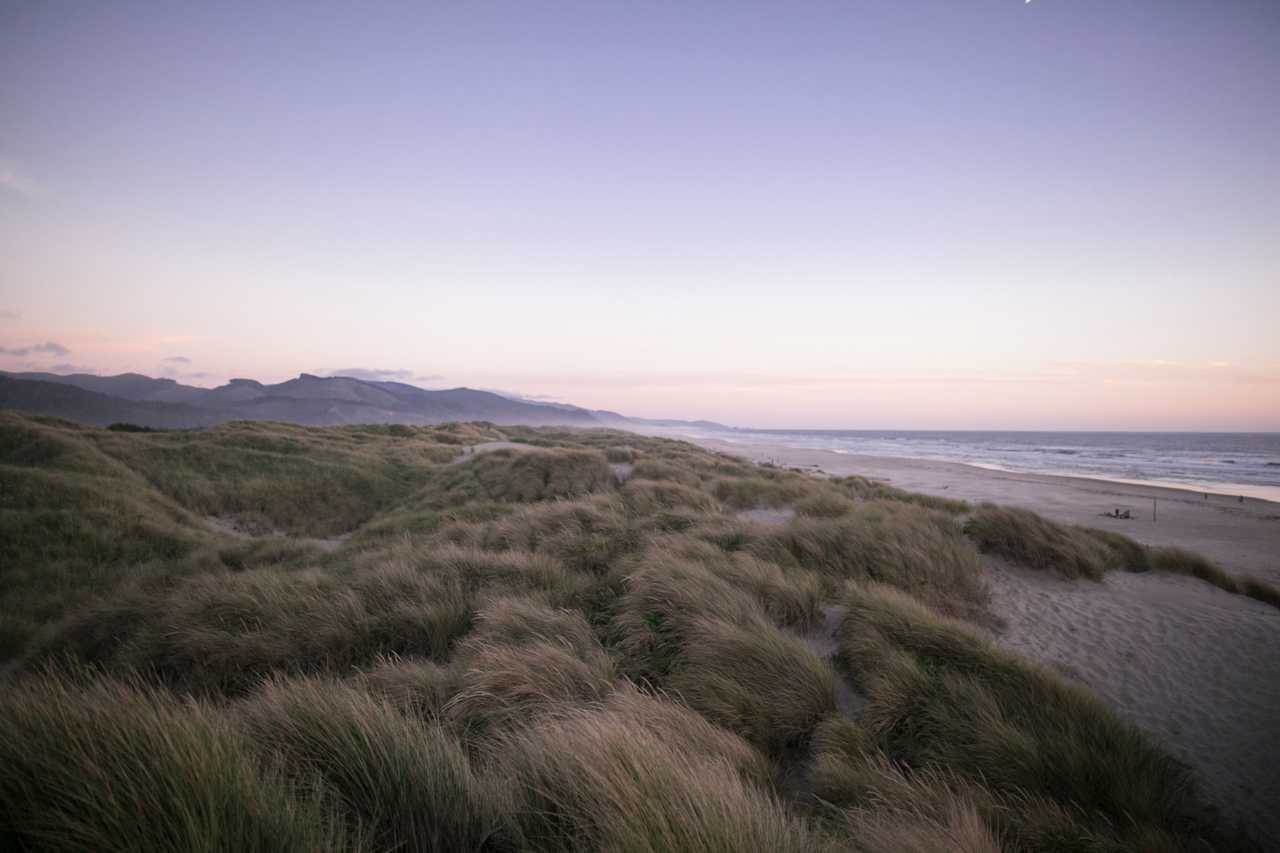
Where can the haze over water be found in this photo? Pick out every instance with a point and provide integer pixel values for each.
(1219, 463)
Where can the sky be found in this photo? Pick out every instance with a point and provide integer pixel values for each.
(917, 214)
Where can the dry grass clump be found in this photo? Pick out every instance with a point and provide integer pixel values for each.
(602, 780)
(477, 570)
(767, 488)
(278, 476)
(765, 685)
(1183, 562)
(525, 657)
(920, 551)
(221, 636)
(103, 766)
(825, 503)
(586, 535)
(860, 488)
(680, 626)
(662, 470)
(662, 596)
(503, 684)
(1030, 540)
(619, 455)
(509, 475)
(404, 783)
(939, 694)
(900, 811)
(646, 497)
(790, 597)
(416, 686)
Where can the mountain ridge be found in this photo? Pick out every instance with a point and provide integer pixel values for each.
(307, 399)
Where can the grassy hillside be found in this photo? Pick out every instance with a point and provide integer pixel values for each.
(269, 637)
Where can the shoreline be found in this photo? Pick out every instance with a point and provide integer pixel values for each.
(1240, 533)
(1198, 487)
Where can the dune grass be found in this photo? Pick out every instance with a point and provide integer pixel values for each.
(607, 779)
(942, 696)
(406, 784)
(516, 650)
(111, 766)
(1030, 540)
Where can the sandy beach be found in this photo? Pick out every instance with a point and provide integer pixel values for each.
(1242, 536)
(1190, 664)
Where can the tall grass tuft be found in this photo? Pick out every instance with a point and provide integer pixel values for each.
(919, 551)
(940, 694)
(1030, 540)
(408, 785)
(222, 636)
(602, 780)
(114, 767)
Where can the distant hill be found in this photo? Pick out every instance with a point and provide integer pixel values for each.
(90, 407)
(309, 400)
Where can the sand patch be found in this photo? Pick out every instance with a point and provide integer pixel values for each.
(621, 471)
(238, 530)
(471, 450)
(822, 639)
(1191, 664)
(776, 516)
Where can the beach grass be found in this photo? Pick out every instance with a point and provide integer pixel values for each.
(520, 650)
(1028, 539)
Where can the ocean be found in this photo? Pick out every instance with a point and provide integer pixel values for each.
(1220, 463)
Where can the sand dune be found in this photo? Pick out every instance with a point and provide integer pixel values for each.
(1192, 664)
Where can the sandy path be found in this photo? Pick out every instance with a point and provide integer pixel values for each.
(1243, 538)
(770, 517)
(823, 640)
(229, 527)
(486, 446)
(1196, 666)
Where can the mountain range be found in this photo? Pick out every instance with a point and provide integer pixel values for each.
(309, 400)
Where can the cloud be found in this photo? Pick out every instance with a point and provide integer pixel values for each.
(10, 315)
(49, 348)
(1160, 372)
(178, 359)
(378, 374)
(15, 181)
(174, 373)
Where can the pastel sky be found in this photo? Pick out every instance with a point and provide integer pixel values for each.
(1060, 214)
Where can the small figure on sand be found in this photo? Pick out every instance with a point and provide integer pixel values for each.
(1118, 513)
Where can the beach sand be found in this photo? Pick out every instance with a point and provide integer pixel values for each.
(1193, 665)
(1197, 667)
(1242, 537)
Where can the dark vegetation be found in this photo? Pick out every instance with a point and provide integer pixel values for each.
(521, 650)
